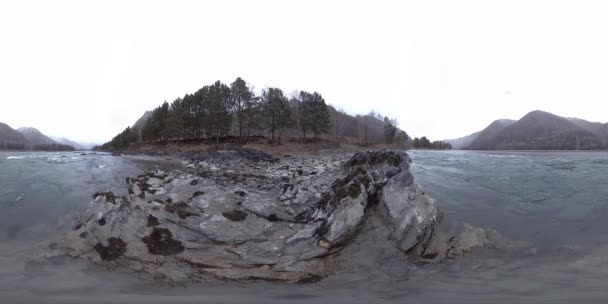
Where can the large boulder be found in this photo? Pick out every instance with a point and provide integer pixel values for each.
(245, 221)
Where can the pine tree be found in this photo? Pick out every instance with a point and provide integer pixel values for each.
(240, 96)
(315, 116)
(217, 106)
(276, 113)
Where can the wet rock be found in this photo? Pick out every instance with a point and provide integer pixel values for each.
(471, 237)
(109, 196)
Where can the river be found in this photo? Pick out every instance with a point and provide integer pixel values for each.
(555, 201)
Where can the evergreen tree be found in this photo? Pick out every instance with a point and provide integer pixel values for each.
(390, 130)
(217, 106)
(175, 121)
(240, 96)
(315, 116)
(275, 111)
(252, 113)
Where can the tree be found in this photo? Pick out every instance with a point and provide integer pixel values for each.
(175, 121)
(390, 130)
(192, 115)
(216, 103)
(275, 111)
(402, 138)
(425, 143)
(296, 105)
(240, 97)
(252, 115)
(338, 122)
(315, 116)
(120, 141)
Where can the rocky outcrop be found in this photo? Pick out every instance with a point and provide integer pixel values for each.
(281, 221)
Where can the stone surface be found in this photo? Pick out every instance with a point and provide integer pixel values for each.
(260, 218)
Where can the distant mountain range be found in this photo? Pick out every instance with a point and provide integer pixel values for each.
(33, 139)
(77, 145)
(537, 130)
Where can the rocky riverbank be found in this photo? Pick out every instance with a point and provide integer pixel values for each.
(244, 215)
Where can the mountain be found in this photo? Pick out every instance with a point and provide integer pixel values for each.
(76, 145)
(462, 142)
(28, 139)
(603, 134)
(540, 130)
(35, 137)
(486, 135)
(65, 141)
(595, 127)
(139, 124)
(142, 120)
(10, 138)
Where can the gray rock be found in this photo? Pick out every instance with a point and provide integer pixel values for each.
(260, 218)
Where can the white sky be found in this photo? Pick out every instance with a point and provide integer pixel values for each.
(87, 69)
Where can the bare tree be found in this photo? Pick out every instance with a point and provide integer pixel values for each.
(296, 104)
(337, 122)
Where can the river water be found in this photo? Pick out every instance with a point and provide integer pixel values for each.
(557, 202)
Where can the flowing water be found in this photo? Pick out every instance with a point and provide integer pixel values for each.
(557, 202)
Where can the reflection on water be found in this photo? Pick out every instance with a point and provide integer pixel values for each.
(556, 201)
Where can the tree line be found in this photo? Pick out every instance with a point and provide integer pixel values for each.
(39, 147)
(220, 111)
(425, 143)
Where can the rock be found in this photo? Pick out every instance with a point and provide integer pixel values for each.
(115, 248)
(284, 221)
(235, 215)
(472, 237)
(182, 209)
(161, 242)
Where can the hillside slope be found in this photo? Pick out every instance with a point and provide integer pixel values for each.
(35, 137)
(483, 141)
(10, 138)
(540, 130)
(463, 142)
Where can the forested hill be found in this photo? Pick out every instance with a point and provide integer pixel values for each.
(219, 111)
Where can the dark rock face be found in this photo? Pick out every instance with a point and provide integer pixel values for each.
(182, 209)
(233, 152)
(152, 221)
(262, 220)
(161, 242)
(109, 196)
(116, 248)
(235, 215)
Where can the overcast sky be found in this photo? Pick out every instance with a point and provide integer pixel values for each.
(87, 69)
